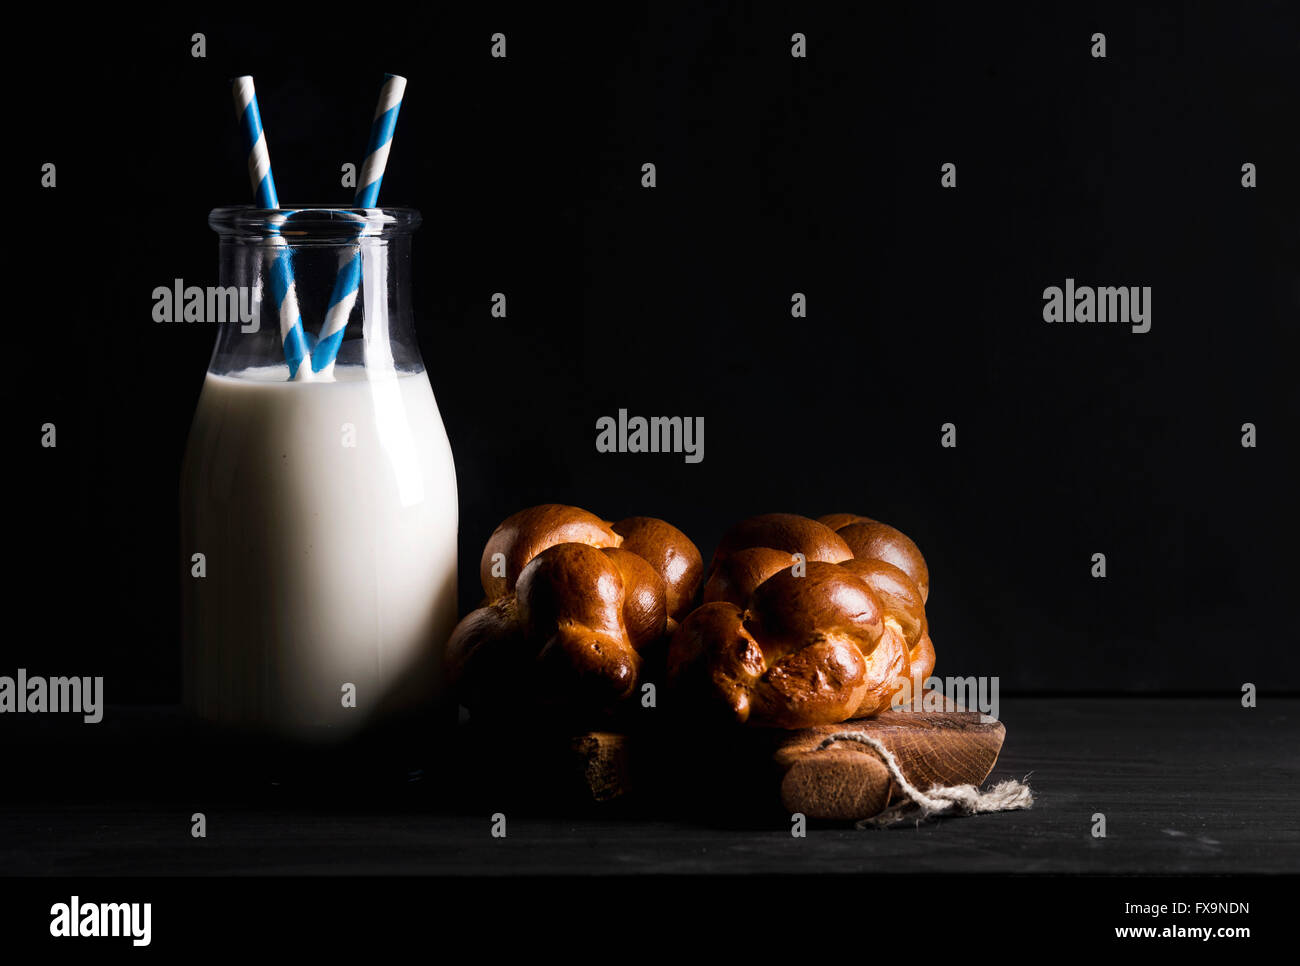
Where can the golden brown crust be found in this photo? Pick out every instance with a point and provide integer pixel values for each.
(585, 669)
(523, 535)
(784, 531)
(672, 555)
(837, 521)
(879, 541)
(793, 644)
(645, 598)
(922, 660)
(820, 684)
(738, 575)
(572, 601)
(898, 594)
(887, 667)
(790, 610)
(714, 662)
(570, 584)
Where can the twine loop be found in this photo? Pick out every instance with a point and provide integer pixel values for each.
(1005, 796)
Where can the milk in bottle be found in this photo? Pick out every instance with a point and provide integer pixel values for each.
(325, 509)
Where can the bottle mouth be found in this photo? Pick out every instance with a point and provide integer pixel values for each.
(305, 223)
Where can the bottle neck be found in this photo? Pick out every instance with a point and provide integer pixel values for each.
(309, 293)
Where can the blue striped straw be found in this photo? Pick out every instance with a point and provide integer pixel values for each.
(283, 291)
(348, 280)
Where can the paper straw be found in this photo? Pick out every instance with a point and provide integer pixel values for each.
(348, 279)
(381, 139)
(283, 291)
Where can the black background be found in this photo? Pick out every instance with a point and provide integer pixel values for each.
(775, 175)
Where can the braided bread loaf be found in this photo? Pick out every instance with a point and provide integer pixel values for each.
(791, 644)
(573, 606)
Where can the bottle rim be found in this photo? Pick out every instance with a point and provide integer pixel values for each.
(309, 220)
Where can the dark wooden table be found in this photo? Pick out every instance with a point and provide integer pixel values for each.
(1197, 786)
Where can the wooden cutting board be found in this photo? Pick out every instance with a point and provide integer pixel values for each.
(843, 782)
(847, 780)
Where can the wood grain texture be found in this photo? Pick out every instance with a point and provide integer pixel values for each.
(848, 781)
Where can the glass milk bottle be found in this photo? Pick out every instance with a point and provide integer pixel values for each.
(323, 505)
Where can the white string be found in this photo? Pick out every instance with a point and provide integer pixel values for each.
(938, 799)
